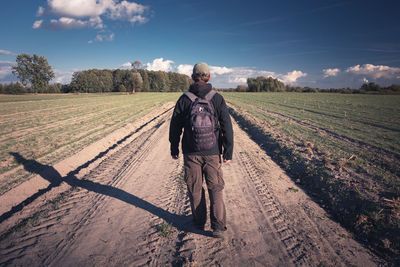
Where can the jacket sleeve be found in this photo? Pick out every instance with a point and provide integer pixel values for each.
(176, 125)
(226, 130)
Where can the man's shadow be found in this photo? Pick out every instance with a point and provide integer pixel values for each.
(180, 222)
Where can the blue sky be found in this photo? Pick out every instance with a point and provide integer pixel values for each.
(325, 44)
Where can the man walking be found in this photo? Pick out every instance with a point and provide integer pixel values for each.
(208, 134)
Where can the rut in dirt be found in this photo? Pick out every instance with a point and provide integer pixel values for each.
(132, 209)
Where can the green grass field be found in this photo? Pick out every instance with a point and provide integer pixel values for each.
(358, 125)
(50, 128)
(373, 119)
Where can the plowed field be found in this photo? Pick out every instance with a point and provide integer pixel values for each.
(127, 206)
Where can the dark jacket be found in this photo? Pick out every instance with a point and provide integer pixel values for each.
(179, 120)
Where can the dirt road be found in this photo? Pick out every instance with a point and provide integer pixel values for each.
(113, 213)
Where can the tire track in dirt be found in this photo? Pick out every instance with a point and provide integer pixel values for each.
(165, 249)
(111, 172)
(272, 212)
(305, 241)
(138, 149)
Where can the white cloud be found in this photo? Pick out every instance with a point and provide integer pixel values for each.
(185, 69)
(126, 65)
(239, 75)
(6, 74)
(160, 64)
(293, 76)
(112, 9)
(95, 22)
(40, 11)
(63, 77)
(355, 76)
(139, 19)
(6, 52)
(219, 70)
(4, 71)
(78, 14)
(239, 80)
(375, 71)
(128, 11)
(214, 70)
(78, 8)
(37, 24)
(330, 72)
(66, 23)
(102, 36)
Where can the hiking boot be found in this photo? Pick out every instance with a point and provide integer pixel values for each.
(218, 233)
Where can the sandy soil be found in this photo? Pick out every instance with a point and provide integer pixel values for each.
(111, 207)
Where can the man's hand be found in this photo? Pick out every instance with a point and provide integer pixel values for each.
(175, 156)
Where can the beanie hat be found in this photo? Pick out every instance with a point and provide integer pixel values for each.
(201, 70)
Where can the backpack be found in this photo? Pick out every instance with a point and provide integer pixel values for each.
(202, 121)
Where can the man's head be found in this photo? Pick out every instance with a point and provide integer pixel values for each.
(201, 72)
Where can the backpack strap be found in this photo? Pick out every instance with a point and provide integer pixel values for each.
(191, 96)
(210, 95)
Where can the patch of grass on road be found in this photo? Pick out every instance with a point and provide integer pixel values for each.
(164, 229)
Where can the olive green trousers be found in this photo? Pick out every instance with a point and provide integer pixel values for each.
(208, 168)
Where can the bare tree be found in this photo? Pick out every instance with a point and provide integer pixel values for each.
(136, 64)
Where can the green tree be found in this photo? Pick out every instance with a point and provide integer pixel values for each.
(372, 87)
(121, 88)
(118, 77)
(145, 78)
(33, 70)
(92, 81)
(136, 81)
(241, 88)
(394, 88)
(54, 88)
(14, 88)
(262, 84)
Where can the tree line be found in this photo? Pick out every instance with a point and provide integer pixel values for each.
(135, 80)
(263, 84)
(35, 73)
